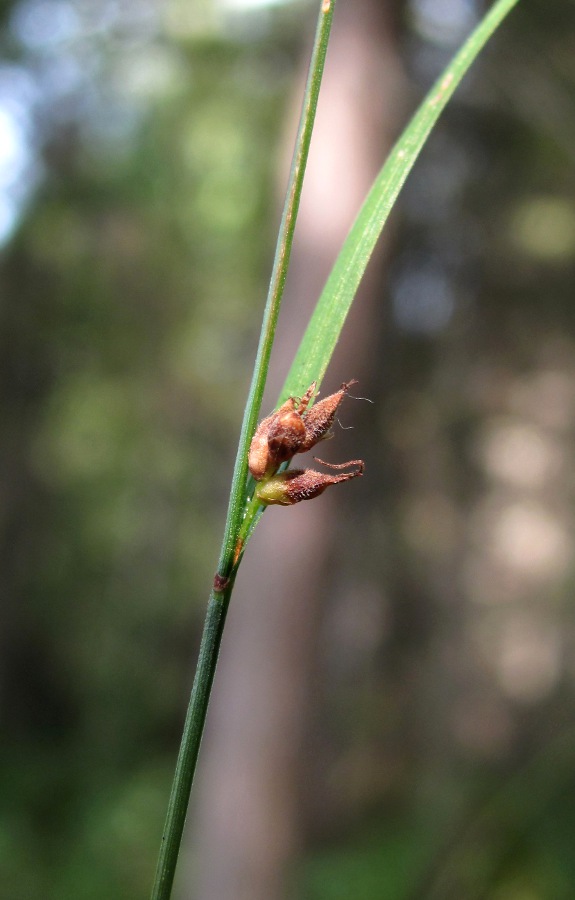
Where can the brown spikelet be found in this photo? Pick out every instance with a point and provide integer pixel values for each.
(277, 439)
(319, 419)
(296, 485)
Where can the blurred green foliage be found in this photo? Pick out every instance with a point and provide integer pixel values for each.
(131, 293)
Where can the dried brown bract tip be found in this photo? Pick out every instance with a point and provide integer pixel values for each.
(320, 417)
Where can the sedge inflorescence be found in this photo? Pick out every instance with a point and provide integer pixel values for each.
(295, 428)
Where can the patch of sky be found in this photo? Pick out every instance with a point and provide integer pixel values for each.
(19, 171)
(444, 22)
(40, 25)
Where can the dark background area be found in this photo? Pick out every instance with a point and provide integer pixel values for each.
(415, 635)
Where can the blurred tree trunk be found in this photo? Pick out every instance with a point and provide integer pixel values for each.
(247, 812)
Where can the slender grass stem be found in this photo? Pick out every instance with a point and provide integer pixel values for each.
(231, 552)
(234, 541)
(191, 740)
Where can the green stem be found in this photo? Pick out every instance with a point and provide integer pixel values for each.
(230, 551)
(190, 745)
(238, 522)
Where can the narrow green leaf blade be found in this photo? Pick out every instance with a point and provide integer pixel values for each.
(321, 336)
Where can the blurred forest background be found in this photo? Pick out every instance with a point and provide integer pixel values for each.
(394, 709)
